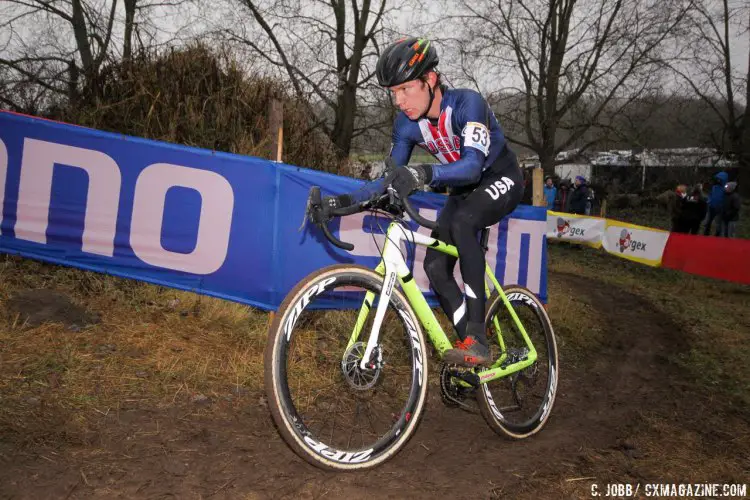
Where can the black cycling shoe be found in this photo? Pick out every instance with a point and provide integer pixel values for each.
(469, 352)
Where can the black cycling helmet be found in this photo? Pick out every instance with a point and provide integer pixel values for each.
(404, 60)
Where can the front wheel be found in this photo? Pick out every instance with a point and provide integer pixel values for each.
(519, 405)
(331, 412)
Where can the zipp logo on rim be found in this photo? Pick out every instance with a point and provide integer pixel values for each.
(314, 291)
(491, 401)
(518, 296)
(553, 383)
(338, 455)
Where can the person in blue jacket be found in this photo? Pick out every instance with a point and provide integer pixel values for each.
(716, 203)
(550, 193)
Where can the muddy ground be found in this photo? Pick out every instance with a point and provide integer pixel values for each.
(608, 425)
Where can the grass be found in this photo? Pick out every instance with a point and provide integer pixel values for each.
(153, 346)
(713, 319)
(713, 315)
(705, 437)
(577, 330)
(156, 347)
(166, 345)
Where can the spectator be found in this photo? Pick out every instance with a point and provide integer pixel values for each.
(563, 196)
(590, 197)
(731, 211)
(677, 210)
(716, 203)
(694, 210)
(550, 193)
(579, 196)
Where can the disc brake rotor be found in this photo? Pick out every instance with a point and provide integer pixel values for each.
(356, 377)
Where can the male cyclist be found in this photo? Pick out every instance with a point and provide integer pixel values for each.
(477, 166)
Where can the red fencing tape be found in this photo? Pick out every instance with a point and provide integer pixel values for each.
(722, 258)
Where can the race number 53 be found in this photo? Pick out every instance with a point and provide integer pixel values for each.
(477, 136)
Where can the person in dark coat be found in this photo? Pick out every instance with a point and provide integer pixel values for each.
(563, 196)
(579, 196)
(677, 208)
(694, 210)
(730, 214)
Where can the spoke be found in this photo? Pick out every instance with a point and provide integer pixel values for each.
(351, 433)
(369, 419)
(333, 426)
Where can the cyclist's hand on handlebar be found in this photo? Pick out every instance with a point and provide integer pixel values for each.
(324, 212)
(406, 180)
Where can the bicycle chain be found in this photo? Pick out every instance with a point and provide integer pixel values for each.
(448, 398)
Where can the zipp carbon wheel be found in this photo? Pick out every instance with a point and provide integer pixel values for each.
(331, 412)
(520, 404)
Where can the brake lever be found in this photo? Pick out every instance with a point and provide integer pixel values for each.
(307, 215)
(392, 195)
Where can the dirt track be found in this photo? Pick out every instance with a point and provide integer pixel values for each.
(231, 453)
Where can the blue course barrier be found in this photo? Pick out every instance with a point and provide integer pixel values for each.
(215, 223)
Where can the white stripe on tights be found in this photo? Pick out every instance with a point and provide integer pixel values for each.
(459, 314)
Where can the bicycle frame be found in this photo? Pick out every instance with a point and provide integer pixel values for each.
(392, 266)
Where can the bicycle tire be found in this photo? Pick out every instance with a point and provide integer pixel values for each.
(281, 401)
(496, 399)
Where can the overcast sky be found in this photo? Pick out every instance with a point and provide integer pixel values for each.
(191, 19)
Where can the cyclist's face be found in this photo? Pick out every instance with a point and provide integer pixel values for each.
(411, 97)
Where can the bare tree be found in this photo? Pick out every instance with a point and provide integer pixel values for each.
(58, 47)
(91, 31)
(574, 64)
(707, 64)
(326, 50)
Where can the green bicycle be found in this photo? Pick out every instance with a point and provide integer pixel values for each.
(346, 360)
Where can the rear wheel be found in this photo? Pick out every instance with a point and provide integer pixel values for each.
(520, 404)
(330, 411)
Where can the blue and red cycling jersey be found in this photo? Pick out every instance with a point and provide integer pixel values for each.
(466, 139)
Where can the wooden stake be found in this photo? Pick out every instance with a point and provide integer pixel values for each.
(276, 128)
(537, 182)
(280, 144)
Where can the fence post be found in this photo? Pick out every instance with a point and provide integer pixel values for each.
(537, 183)
(276, 143)
(275, 129)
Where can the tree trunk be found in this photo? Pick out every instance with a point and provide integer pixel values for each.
(127, 49)
(343, 128)
(81, 33)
